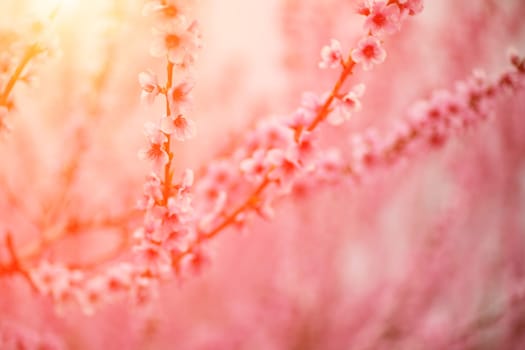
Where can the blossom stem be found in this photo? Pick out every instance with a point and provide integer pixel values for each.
(167, 144)
(325, 109)
(321, 115)
(15, 266)
(253, 198)
(31, 52)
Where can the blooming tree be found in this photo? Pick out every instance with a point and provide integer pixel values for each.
(283, 175)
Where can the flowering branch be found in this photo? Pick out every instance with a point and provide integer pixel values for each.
(33, 51)
(15, 266)
(271, 164)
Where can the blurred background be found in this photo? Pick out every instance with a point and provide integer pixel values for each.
(427, 255)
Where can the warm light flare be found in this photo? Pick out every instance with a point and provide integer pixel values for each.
(55, 7)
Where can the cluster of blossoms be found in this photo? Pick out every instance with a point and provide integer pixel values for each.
(166, 204)
(382, 18)
(167, 228)
(180, 217)
(68, 287)
(281, 151)
(429, 124)
(432, 122)
(14, 336)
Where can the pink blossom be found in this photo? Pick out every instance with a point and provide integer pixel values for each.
(331, 55)
(311, 104)
(364, 7)
(180, 127)
(300, 119)
(195, 262)
(56, 281)
(155, 150)
(151, 228)
(383, 18)
(188, 178)
(274, 134)
(118, 278)
(412, 7)
(329, 165)
(304, 149)
(515, 59)
(152, 258)
(270, 133)
(152, 192)
(150, 86)
(217, 199)
(175, 42)
(366, 149)
(152, 186)
(369, 52)
(347, 105)
(179, 97)
(219, 179)
(285, 168)
(255, 166)
(93, 294)
(48, 277)
(166, 11)
(179, 208)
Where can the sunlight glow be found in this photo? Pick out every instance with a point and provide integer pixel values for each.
(54, 7)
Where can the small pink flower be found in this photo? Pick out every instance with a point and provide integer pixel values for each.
(180, 127)
(195, 262)
(347, 105)
(256, 166)
(152, 257)
(514, 57)
(150, 86)
(369, 52)
(188, 178)
(300, 119)
(412, 7)
(176, 41)
(93, 294)
(364, 7)
(118, 278)
(305, 149)
(366, 149)
(311, 104)
(219, 178)
(166, 11)
(179, 97)
(383, 18)
(152, 187)
(221, 173)
(274, 134)
(151, 226)
(331, 55)
(285, 168)
(329, 166)
(179, 205)
(155, 150)
(54, 280)
(152, 192)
